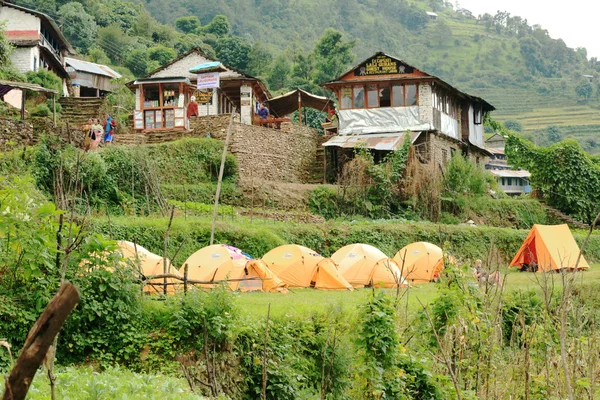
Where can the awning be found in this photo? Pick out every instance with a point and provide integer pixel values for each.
(214, 66)
(286, 104)
(385, 142)
(7, 86)
(162, 80)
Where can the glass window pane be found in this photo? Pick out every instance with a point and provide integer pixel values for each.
(359, 97)
(346, 97)
(398, 95)
(372, 96)
(384, 96)
(411, 95)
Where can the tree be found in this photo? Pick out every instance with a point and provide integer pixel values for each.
(188, 42)
(5, 47)
(78, 26)
(219, 26)
(233, 51)
(333, 55)
(554, 134)
(137, 62)
(114, 42)
(442, 33)
(259, 60)
(188, 24)
(584, 89)
(97, 55)
(514, 125)
(279, 76)
(161, 54)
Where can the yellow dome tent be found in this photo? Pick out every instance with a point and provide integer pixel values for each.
(226, 263)
(550, 248)
(150, 264)
(298, 266)
(365, 265)
(420, 262)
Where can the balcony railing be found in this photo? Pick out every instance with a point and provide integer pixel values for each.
(48, 46)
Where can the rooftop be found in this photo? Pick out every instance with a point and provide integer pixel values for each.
(92, 68)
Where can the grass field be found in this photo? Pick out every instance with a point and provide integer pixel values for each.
(303, 302)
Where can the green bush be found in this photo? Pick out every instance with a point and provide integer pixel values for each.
(41, 110)
(46, 79)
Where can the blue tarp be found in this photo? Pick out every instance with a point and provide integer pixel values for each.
(208, 67)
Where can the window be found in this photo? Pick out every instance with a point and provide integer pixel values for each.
(346, 97)
(398, 95)
(35, 63)
(411, 95)
(359, 97)
(477, 115)
(384, 96)
(372, 96)
(503, 182)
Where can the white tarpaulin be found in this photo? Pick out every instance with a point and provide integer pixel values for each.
(475, 130)
(381, 120)
(449, 126)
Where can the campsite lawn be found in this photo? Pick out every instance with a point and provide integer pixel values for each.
(304, 302)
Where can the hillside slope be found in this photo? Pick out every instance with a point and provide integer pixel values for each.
(527, 75)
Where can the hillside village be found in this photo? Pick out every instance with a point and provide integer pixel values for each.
(195, 218)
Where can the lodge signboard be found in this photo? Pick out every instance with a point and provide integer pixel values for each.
(382, 65)
(203, 97)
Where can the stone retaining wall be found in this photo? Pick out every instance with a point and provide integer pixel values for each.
(15, 133)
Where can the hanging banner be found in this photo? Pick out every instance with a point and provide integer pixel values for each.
(210, 80)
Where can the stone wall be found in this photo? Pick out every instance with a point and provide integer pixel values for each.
(437, 148)
(276, 155)
(15, 133)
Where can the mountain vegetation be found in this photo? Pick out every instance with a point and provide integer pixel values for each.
(529, 76)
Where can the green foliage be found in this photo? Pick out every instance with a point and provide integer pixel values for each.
(567, 176)
(41, 110)
(219, 26)
(513, 125)
(137, 62)
(161, 54)
(5, 47)
(280, 72)
(464, 178)
(332, 54)
(45, 78)
(584, 89)
(78, 26)
(233, 51)
(188, 24)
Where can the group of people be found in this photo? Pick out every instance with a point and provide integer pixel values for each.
(97, 133)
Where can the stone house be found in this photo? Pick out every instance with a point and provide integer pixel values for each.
(511, 181)
(383, 99)
(38, 42)
(163, 95)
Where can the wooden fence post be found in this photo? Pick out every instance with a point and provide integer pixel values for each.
(185, 279)
(38, 342)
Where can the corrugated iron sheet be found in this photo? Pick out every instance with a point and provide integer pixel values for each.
(510, 173)
(92, 68)
(383, 142)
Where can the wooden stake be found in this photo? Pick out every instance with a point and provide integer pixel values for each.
(165, 268)
(38, 342)
(219, 182)
(185, 278)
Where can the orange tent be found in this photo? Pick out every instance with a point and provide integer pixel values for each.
(299, 266)
(420, 262)
(226, 263)
(550, 247)
(150, 264)
(364, 265)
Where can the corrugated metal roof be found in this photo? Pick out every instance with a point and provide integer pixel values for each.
(92, 68)
(386, 142)
(175, 79)
(510, 173)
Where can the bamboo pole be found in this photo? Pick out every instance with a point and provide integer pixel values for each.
(220, 181)
(165, 267)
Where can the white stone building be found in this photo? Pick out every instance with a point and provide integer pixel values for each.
(163, 96)
(37, 40)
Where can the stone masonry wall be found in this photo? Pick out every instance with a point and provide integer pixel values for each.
(14, 133)
(269, 154)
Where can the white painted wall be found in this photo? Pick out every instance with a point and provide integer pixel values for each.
(17, 20)
(182, 68)
(22, 58)
(14, 98)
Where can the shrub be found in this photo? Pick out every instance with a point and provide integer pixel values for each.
(41, 110)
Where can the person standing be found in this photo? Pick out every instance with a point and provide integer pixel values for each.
(109, 128)
(96, 137)
(87, 131)
(192, 110)
(263, 112)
